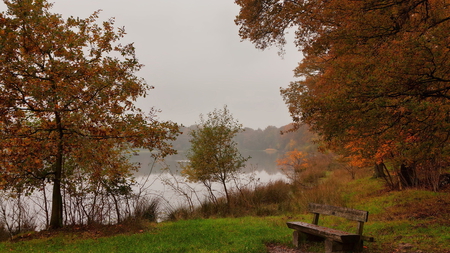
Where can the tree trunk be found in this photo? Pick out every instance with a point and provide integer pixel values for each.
(384, 173)
(226, 193)
(208, 186)
(379, 170)
(56, 220)
(116, 205)
(47, 217)
(407, 176)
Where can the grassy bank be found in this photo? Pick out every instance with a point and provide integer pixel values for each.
(203, 235)
(412, 220)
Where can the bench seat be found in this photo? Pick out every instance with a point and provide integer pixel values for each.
(316, 230)
(335, 240)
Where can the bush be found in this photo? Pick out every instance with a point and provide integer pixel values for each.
(147, 209)
(4, 234)
(262, 200)
(312, 176)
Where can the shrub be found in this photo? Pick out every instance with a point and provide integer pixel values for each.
(4, 234)
(262, 200)
(147, 209)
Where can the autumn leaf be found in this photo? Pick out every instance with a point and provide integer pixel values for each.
(374, 79)
(66, 102)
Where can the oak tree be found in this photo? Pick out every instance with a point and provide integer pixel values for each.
(375, 76)
(67, 88)
(213, 155)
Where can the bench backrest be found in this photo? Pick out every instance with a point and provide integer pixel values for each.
(348, 213)
(351, 214)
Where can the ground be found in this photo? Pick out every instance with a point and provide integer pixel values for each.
(276, 248)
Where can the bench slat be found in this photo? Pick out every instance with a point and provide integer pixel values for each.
(348, 213)
(333, 234)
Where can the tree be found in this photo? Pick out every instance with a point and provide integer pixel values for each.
(66, 109)
(375, 75)
(293, 163)
(214, 156)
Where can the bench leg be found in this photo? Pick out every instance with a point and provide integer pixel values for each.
(297, 237)
(333, 246)
(359, 246)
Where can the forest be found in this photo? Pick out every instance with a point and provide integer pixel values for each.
(271, 137)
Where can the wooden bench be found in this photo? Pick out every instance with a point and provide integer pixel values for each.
(335, 240)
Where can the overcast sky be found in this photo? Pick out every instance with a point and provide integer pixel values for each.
(194, 57)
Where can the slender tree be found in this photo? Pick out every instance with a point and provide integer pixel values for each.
(214, 156)
(67, 89)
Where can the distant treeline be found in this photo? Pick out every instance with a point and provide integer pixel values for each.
(269, 138)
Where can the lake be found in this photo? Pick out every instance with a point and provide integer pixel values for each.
(260, 168)
(169, 187)
(259, 161)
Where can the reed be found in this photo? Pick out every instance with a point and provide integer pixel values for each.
(273, 198)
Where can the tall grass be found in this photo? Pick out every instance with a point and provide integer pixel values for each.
(4, 234)
(273, 198)
(147, 209)
(325, 193)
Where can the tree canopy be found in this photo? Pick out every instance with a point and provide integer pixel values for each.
(214, 156)
(375, 77)
(67, 88)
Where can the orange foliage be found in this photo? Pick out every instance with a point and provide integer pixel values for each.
(66, 104)
(292, 164)
(374, 80)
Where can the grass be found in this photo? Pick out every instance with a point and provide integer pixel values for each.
(270, 199)
(416, 219)
(246, 234)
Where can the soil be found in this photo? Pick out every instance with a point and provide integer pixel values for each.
(93, 231)
(276, 248)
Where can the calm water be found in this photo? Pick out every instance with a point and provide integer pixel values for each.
(260, 168)
(259, 161)
(153, 182)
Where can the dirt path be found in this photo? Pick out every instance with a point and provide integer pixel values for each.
(275, 248)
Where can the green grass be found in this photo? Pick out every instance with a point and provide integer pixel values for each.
(206, 235)
(415, 217)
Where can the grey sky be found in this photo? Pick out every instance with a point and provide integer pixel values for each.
(194, 57)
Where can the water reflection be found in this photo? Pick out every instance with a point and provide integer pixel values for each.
(260, 168)
(260, 161)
